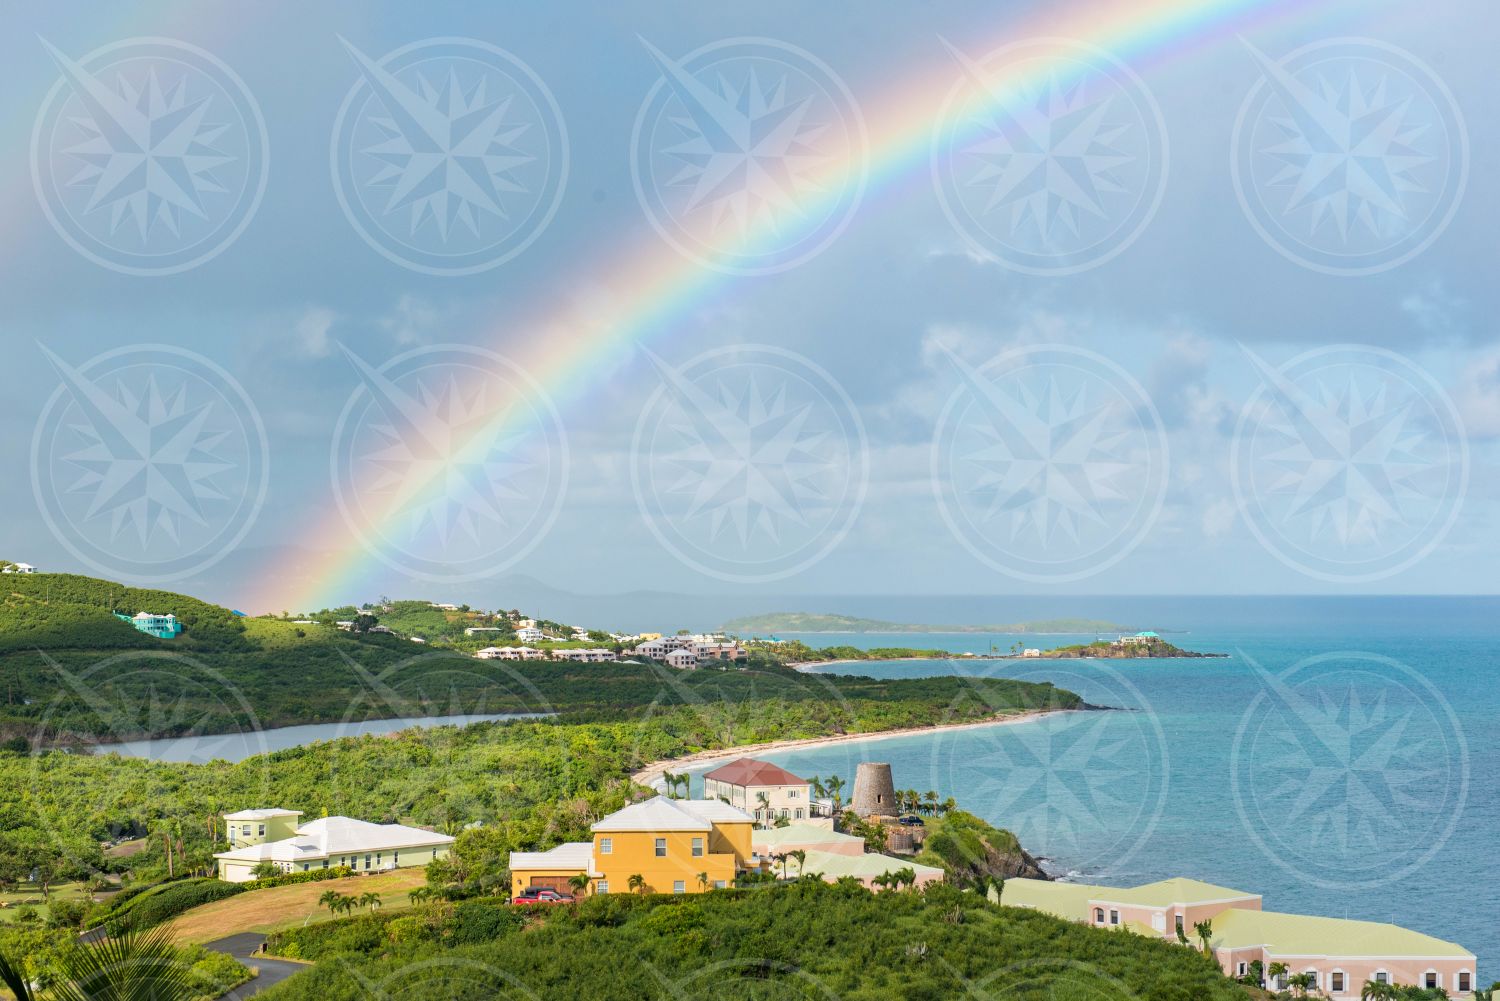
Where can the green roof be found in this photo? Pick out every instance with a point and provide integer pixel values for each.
(1170, 891)
(1063, 900)
(797, 834)
(1305, 935)
(832, 866)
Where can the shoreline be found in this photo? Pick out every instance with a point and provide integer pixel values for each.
(650, 773)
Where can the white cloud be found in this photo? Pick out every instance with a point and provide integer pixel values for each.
(1218, 518)
(310, 332)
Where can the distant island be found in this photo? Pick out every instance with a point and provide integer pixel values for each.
(813, 622)
(1139, 646)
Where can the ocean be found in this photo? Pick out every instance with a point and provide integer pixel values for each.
(1341, 761)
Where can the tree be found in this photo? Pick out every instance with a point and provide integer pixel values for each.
(1374, 991)
(370, 899)
(579, 883)
(330, 898)
(801, 856)
(262, 870)
(131, 966)
(1300, 983)
(835, 787)
(1205, 932)
(1275, 972)
(636, 882)
(932, 800)
(703, 882)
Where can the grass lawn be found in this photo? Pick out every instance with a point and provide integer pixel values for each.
(29, 893)
(284, 906)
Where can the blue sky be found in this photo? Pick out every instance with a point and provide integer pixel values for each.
(892, 309)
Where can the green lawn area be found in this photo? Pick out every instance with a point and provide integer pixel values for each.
(12, 901)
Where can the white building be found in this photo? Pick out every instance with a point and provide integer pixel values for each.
(763, 790)
(326, 843)
(511, 653)
(529, 634)
(593, 655)
(474, 630)
(19, 568)
(443, 606)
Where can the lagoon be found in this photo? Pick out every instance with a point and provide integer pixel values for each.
(239, 746)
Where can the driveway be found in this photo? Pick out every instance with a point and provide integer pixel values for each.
(272, 971)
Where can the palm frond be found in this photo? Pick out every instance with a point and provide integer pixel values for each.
(15, 980)
(137, 966)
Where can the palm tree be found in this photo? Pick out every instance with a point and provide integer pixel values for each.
(801, 856)
(637, 883)
(949, 805)
(703, 882)
(932, 800)
(764, 799)
(416, 896)
(330, 899)
(1275, 971)
(819, 790)
(1205, 932)
(579, 884)
(369, 899)
(1374, 991)
(1300, 983)
(131, 966)
(835, 787)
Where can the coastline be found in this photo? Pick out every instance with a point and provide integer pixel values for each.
(650, 773)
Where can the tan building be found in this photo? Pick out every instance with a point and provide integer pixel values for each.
(764, 790)
(1340, 954)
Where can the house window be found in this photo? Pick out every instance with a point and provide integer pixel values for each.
(719, 884)
(606, 846)
(1382, 977)
(661, 847)
(304, 866)
(1465, 981)
(1242, 969)
(1098, 915)
(697, 848)
(791, 794)
(799, 813)
(395, 858)
(1114, 917)
(1336, 981)
(678, 886)
(367, 860)
(1179, 924)
(602, 886)
(245, 830)
(262, 830)
(325, 863)
(377, 858)
(1430, 979)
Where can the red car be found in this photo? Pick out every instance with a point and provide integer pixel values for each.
(542, 895)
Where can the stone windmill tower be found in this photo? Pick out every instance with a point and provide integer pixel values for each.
(874, 791)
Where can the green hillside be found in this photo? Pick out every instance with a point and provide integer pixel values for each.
(815, 622)
(807, 940)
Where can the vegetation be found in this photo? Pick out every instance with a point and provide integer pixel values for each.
(132, 967)
(809, 622)
(803, 939)
(1151, 647)
(975, 853)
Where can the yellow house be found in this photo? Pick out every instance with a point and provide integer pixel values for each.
(673, 845)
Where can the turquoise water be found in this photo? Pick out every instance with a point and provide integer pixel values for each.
(1340, 762)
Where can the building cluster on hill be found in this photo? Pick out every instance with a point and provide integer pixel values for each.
(691, 651)
(666, 845)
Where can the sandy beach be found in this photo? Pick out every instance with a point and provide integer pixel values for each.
(648, 775)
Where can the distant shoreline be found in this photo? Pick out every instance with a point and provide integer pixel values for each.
(650, 773)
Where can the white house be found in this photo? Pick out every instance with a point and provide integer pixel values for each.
(443, 606)
(472, 630)
(529, 634)
(511, 653)
(323, 844)
(19, 568)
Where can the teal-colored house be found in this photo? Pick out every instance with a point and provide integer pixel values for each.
(163, 627)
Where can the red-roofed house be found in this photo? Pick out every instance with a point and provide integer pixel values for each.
(761, 789)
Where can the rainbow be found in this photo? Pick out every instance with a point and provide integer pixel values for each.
(654, 287)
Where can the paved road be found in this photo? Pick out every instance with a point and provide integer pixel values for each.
(272, 971)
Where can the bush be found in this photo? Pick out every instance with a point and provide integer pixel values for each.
(168, 902)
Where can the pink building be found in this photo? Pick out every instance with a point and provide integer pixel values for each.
(1341, 954)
